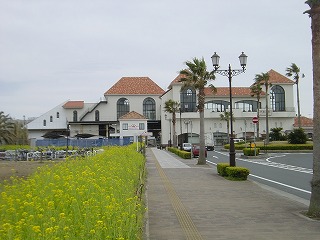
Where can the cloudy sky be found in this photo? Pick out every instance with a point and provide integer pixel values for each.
(57, 50)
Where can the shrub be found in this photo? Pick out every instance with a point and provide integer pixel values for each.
(232, 173)
(251, 151)
(276, 135)
(297, 136)
(221, 169)
(237, 173)
(180, 153)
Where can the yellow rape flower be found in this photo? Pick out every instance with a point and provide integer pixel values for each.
(36, 229)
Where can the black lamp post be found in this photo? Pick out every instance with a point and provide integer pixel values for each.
(230, 73)
(181, 140)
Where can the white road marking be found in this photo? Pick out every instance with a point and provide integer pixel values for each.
(272, 181)
(269, 163)
(282, 184)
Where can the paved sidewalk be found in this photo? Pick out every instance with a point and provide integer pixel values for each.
(188, 201)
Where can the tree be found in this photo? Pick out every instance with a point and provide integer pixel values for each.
(276, 135)
(256, 90)
(226, 117)
(314, 13)
(197, 76)
(294, 71)
(297, 136)
(172, 107)
(20, 133)
(6, 129)
(263, 79)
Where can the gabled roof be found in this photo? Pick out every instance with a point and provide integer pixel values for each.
(305, 122)
(176, 80)
(224, 91)
(132, 115)
(135, 85)
(275, 77)
(73, 104)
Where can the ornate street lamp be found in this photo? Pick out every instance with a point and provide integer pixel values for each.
(181, 140)
(230, 73)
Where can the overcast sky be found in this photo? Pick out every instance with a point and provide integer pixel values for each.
(57, 50)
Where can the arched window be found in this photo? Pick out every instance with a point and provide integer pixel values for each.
(58, 115)
(75, 116)
(217, 105)
(277, 97)
(123, 107)
(247, 105)
(188, 100)
(149, 108)
(97, 115)
(51, 118)
(44, 122)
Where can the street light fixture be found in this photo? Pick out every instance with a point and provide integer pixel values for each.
(230, 73)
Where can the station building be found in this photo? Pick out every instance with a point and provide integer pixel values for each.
(135, 106)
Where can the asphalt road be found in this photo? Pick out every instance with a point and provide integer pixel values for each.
(290, 173)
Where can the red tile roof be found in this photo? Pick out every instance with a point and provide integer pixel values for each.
(177, 80)
(305, 122)
(132, 115)
(135, 85)
(275, 77)
(73, 104)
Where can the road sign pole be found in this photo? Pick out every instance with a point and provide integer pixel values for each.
(254, 138)
(255, 120)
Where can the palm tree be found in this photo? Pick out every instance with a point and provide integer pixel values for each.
(20, 133)
(314, 13)
(6, 129)
(263, 79)
(256, 90)
(172, 107)
(294, 71)
(226, 117)
(197, 76)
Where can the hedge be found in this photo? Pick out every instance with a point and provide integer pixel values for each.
(180, 153)
(237, 173)
(232, 173)
(251, 151)
(285, 146)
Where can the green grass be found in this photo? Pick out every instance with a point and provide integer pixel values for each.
(97, 197)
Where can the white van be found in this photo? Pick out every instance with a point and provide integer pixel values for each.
(187, 147)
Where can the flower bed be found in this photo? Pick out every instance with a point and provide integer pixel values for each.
(97, 197)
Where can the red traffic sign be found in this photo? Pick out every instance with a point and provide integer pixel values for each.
(255, 119)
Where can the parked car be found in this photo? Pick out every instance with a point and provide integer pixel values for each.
(196, 151)
(187, 147)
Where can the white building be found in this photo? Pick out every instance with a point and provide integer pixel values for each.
(103, 119)
(281, 110)
(145, 100)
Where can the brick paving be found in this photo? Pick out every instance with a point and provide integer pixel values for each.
(188, 201)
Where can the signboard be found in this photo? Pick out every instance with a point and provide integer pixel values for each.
(255, 120)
